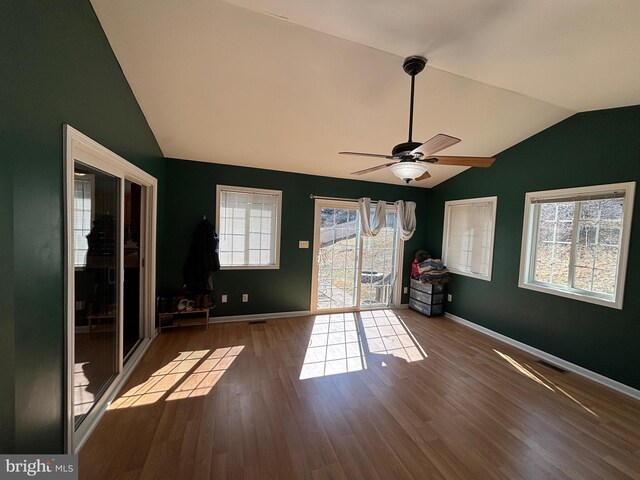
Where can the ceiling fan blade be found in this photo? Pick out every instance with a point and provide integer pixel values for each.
(424, 176)
(435, 144)
(372, 169)
(377, 155)
(462, 161)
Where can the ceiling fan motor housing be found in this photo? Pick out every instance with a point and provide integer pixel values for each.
(403, 150)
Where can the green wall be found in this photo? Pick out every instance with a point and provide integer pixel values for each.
(7, 372)
(7, 356)
(57, 68)
(192, 193)
(587, 149)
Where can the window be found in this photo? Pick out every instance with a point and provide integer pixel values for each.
(83, 216)
(575, 242)
(249, 223)
(467, 244)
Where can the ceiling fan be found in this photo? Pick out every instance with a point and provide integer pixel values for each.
(411, 158)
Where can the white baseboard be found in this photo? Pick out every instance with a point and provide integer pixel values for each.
(258, 316)
(266, 316)
(572, 367)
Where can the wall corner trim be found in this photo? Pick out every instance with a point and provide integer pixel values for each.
(572, 367)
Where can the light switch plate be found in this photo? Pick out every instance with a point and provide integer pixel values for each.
(405, 290)
(449, 297)
(245, 297)
(224, 298)
(303, 244)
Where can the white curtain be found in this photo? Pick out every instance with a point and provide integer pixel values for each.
(370, 228)
(406, 217)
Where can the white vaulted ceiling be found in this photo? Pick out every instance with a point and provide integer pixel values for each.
(239, 84)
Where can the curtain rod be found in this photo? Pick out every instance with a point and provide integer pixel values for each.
(320, 197)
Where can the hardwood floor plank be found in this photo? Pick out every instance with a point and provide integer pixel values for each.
(329, 472)
(230, 403)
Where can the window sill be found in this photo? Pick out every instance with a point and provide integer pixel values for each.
(250, 267)
(479, 276)
(617, 304)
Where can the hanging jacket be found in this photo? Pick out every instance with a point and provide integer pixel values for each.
(202, 259)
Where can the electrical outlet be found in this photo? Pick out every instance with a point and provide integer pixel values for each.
(303, 244)
(224, 298)
(405, 290)
(245, 297)
(450, 297)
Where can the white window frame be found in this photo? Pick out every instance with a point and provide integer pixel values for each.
(261, 191)
(529, 235)
(445, 234)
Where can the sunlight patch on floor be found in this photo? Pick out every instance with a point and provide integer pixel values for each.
(531, 373)
(334, 347)
(385, 333)
(340, 342)
(190, 374)
(207, 374)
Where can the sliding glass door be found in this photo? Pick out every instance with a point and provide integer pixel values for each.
(132, 327)
(338, 258)
(379, 265)
(110, 277)
(96, 256)
(352, 271)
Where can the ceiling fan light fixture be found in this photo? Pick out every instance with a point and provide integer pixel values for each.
(408, 171)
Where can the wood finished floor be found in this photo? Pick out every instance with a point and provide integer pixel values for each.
(229, 403)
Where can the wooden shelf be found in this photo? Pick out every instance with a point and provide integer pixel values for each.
(176, 321)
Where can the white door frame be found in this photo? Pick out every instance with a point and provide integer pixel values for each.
(350, 205)
(79, 147)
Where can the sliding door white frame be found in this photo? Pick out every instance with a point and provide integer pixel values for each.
(349, 205)
(319, 205)
(80, 148)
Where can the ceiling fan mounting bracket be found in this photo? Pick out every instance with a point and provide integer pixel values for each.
(414, 64)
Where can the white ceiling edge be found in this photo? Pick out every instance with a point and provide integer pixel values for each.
(221, 84)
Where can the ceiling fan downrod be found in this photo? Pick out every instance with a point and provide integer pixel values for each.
(413, 66)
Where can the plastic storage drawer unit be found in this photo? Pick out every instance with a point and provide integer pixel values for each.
(426, 287)
(429, 310)
(427, 298)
